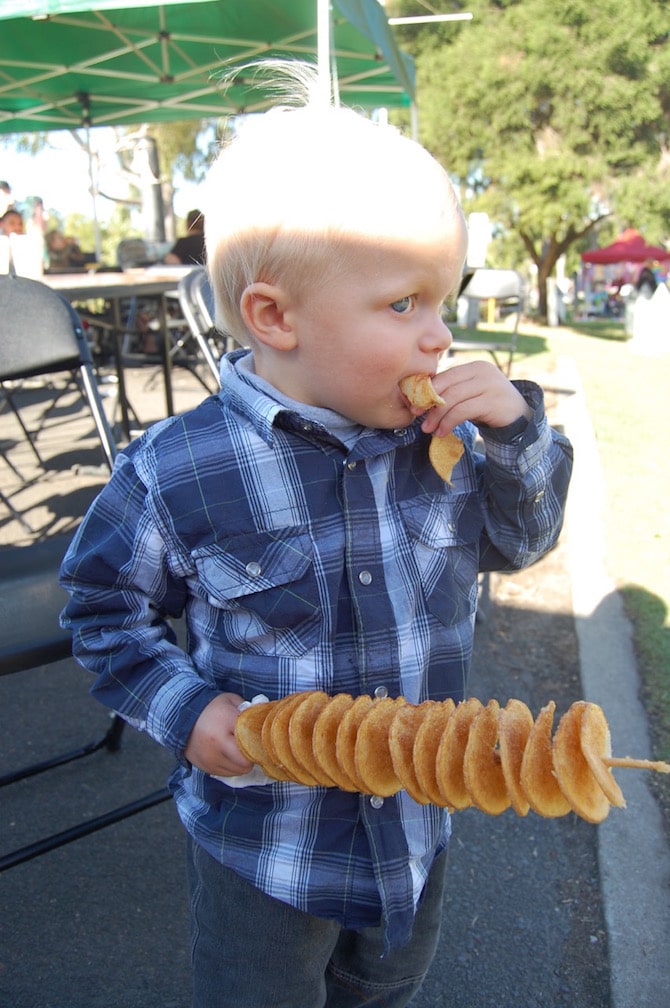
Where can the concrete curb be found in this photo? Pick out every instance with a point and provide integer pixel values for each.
(633, 853)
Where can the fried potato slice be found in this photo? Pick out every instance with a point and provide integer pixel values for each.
(426, 744)
(420, 392)
(402, 735)
(444, 453)
(515, 723)
(538, 779)
(248, 731)
(276, 733)
(596, 744)
(324, 740)
(345, 740)
(574, 775)
(451, 754)
(372, 753)
(301, 735)
(482, 772)
(249, 736)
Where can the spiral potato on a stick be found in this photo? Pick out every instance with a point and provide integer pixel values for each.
(453, 755)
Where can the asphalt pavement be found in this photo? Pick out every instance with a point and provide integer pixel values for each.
(537, 912)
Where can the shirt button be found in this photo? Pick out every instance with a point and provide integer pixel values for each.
(538, 497)
(254, 569)
(381, 692)
(451, 526)
(376, 801)
(351, 466)
(399, 432)
(365, 577)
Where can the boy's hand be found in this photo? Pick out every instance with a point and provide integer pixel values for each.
(477, 391)
(211, 745)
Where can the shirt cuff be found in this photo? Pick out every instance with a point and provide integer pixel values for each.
(521, 431)
(175, 709)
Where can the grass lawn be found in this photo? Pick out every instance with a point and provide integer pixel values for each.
(628, 397)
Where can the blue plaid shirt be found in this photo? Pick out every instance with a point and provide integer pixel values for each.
(300, 563)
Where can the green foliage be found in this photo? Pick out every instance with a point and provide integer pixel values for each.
(182, 147)
(550, 116)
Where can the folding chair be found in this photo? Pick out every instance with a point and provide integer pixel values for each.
(197, 306)
(30, 636)
(41, 335)
(504, 290)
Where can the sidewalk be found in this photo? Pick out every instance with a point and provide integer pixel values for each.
(537, 913)
(633, 851)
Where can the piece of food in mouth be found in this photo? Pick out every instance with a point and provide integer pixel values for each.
(443, 452)
(420, 392)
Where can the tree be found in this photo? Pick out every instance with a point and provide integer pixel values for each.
(552, 117)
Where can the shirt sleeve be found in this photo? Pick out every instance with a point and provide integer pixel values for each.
(122, 598)
(525, 482)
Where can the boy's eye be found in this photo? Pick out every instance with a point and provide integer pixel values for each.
(403, 305)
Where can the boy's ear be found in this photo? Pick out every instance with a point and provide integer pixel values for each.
(263, 308)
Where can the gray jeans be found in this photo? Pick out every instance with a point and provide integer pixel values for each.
(252, 951)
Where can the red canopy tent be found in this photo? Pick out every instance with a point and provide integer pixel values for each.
(629, 246)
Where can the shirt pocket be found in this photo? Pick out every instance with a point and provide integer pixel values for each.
(444, 535)
(262, 587)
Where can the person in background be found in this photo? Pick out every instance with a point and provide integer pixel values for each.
(189, 250)
(11, 222)
(5, 197)
(297, 523)
(63, 252)
(646, 282)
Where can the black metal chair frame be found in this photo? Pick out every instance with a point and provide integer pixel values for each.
(41, 334)
(506, 288)
(195, 297)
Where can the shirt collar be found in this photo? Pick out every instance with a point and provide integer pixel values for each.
(266, 408)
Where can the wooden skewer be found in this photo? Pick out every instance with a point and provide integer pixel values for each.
(636, 764)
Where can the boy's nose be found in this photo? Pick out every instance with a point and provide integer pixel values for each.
(438, 336)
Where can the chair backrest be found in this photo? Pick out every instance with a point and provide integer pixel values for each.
(39, 330)
(40, 334)
(196, 298)
(197, 305)
(501, 284)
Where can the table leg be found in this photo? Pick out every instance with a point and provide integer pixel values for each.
(167, 355)
(118, 354)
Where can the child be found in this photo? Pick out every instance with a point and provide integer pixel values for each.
(294, 519)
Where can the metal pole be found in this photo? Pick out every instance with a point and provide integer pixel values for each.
(323, 49)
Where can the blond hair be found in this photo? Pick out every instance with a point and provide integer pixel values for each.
(296, 184)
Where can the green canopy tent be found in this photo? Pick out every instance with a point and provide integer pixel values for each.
(65, 64)
(72, 64)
